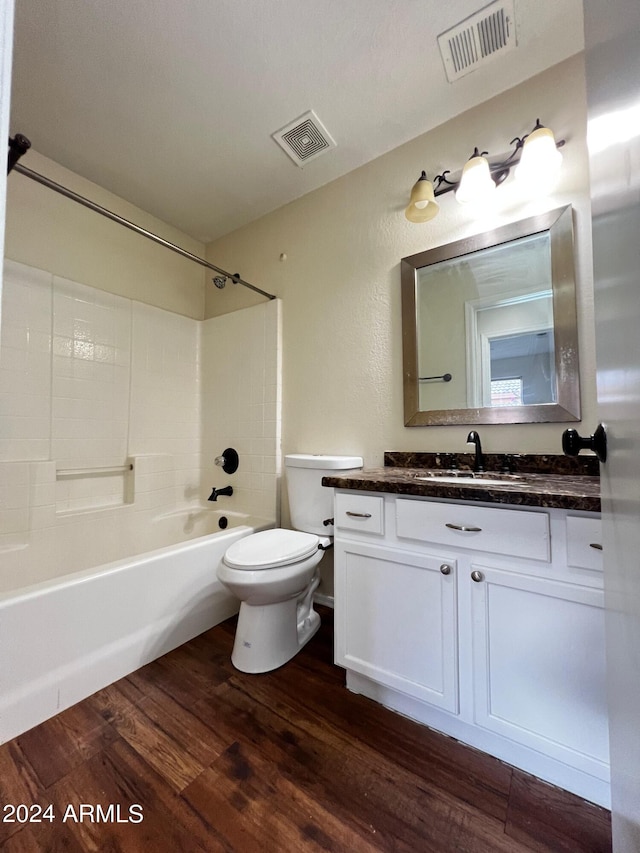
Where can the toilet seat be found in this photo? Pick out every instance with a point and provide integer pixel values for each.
(270, 549)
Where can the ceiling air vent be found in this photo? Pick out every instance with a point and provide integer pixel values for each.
(478, 39)
(304, 139)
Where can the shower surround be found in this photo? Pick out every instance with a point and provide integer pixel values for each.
(90, 380)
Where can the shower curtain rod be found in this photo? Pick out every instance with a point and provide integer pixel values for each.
(47, 182)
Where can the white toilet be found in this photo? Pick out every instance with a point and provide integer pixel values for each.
(274, 573)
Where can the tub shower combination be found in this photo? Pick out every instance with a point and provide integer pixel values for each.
(66, 638)
(63, 638)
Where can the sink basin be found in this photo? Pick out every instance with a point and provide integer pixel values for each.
(471, 478)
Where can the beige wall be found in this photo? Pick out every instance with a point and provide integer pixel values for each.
(340, 280)
(50, 232)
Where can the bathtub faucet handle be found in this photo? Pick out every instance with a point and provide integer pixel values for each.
(215, 494)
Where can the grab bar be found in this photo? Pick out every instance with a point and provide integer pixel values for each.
(72, 473)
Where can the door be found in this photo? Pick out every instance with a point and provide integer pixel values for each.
(6, 40)
(396, 620)
(612, 35)
(539, 665)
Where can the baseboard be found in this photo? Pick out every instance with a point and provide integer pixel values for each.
(321, 598)
(596, 789)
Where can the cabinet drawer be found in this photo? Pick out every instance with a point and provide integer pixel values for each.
(359, 512)
(518, 533)
(582, 535)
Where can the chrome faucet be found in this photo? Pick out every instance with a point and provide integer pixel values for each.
(474, 438)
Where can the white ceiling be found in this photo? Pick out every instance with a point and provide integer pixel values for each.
(171, 104)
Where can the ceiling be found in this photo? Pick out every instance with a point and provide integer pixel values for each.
(171, 105)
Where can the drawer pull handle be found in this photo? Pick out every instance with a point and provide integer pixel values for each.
(463, 528)
(445, 569)
(358, 514)
(595, 545)
(477, 576)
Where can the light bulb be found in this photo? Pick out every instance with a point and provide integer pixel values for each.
(422, 204)
(540, 163)
(476, 182)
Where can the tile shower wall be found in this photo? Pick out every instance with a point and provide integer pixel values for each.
(25, 365)
(91, 375)
(241, 402)
(165, 401)
(91, 380)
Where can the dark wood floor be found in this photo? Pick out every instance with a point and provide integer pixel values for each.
(289, 761)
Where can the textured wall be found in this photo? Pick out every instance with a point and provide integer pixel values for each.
(340, 280)
(50, 232)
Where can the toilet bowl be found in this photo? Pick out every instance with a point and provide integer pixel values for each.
(275, 572)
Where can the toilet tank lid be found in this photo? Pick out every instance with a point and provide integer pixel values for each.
(318, 460)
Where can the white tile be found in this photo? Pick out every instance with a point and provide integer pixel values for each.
(127, 378)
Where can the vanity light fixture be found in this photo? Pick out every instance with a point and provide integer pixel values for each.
(535, 154)
(422, 204)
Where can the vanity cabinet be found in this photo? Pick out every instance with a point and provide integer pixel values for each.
(485, 622)
(399, 620)
(538, 664)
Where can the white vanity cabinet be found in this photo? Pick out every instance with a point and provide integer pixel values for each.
(483, 621)
(398, 620)
(539, 666)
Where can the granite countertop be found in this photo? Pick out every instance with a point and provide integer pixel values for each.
(543, 481)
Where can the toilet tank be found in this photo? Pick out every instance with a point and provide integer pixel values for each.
(310, 503)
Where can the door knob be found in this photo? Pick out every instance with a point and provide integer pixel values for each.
(572, 443)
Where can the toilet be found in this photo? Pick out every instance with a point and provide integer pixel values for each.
(275, 573)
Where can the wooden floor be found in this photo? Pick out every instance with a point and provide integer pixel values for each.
(289, 761)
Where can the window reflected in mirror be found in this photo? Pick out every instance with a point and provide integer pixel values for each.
(489, 327)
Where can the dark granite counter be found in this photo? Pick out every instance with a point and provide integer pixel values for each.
(527, 480)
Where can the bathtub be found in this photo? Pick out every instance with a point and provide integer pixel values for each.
(62, 640)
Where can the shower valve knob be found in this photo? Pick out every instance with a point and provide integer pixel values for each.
(228, 461)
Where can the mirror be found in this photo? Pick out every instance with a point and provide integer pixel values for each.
(489, 327)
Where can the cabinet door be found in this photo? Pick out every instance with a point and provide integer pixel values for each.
(395, 620)
(539, 665)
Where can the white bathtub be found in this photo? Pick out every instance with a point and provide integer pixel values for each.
(63, 639)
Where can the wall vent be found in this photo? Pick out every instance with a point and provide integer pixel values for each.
(478, 39)
(304, 139)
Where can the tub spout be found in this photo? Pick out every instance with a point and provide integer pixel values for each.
(228, 490)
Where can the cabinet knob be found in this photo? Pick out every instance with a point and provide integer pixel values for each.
(445, 569)
(477, 576)
(595, 545)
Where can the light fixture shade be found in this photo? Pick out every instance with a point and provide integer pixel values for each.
(476, 183)
(422, 204)
(540, 162)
